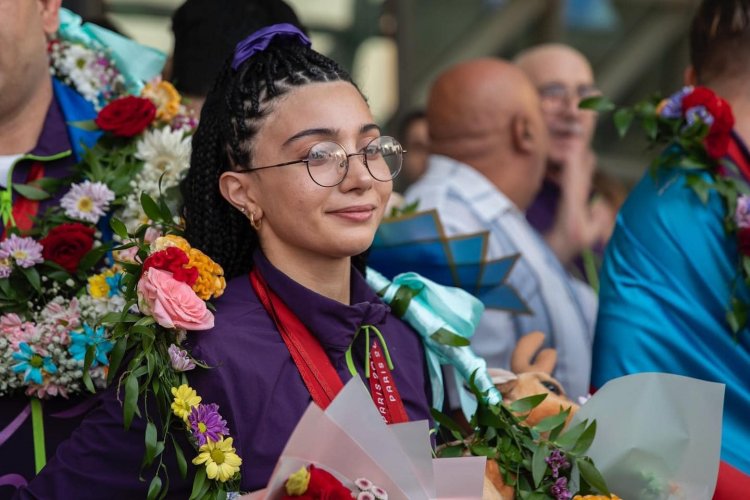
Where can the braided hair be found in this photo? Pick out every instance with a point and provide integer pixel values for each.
(234, 110)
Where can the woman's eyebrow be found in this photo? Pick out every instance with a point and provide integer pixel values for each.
(329, 132)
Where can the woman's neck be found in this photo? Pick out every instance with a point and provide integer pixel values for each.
(330, 277)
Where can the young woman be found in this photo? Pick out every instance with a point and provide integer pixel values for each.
(288, 182)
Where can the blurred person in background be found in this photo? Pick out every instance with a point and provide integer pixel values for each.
(488, 158)
(414, 135)
(670, 278)
(204, 36)
(565, 212)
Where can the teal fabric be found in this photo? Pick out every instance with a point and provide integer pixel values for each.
(668, 275)
(137, 63)
(434, 307)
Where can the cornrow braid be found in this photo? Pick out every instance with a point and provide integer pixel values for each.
(232, 114)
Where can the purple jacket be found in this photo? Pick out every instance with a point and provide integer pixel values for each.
(254, 381)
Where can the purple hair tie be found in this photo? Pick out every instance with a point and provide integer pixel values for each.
(259, 41)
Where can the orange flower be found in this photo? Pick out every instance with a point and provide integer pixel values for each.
(165, 97)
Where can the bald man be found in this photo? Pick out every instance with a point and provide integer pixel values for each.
(489, 147)
(563, 211)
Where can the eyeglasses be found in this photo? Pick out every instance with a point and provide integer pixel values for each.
(328, 162)
(555, 95)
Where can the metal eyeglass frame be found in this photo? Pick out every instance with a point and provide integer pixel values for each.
(306, 161)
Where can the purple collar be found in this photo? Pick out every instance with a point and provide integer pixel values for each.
(54, 136)
(326, 318)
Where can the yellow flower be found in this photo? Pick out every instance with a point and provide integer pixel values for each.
(297, 483)
(221, 461)
(185, 398)
(98, 286)
(170, 240)
(210, 282)
(165, 97)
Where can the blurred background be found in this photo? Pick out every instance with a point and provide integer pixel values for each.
(394, 48)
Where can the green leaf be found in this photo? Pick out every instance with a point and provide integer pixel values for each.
(181, 462)
(539, 464)
(32, 276)
(154, 488)
(91, 258)
(527, 404)
(150, 207)
(549, 423)
(401, 300)
(200, 485)
(31, 192)
(150, 438)
(115, 358)
(650, 126)
(597, 103)
(584, 442)
(737, 315)
(131, 400)
(569, 439)
(591, 475)
(444, 420)
(699, 187)
(623, 118)
(118, 227)
(451, 451)
(482, 450)
(446, 337)
(87, 360)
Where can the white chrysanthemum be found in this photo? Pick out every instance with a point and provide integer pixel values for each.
(79, 64)
(166, 156)
(87, 201)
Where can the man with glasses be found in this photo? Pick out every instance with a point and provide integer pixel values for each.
(564, 211)
(488, 156)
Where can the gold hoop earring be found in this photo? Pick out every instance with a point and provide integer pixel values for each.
(255, 225)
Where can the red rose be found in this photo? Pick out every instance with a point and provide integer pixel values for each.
(66, 244)
(172, 259)
(126, 116)
(717, 140)
(322, 486)
(743, 240)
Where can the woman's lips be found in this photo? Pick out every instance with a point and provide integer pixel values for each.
(358, 213)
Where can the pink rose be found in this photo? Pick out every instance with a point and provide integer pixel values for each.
(172, 303)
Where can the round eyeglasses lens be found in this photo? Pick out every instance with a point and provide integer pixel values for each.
(326, 163)
(384, 158)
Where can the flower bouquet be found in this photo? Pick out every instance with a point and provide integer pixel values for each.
(347, 451)
(58, 279)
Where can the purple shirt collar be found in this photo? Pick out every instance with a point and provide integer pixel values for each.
(54, 136)
(324, 317)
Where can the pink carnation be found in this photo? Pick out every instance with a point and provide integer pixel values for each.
(172, 303)
(15, 330)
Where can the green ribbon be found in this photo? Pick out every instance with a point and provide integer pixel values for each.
(37, 426)
(348, 355)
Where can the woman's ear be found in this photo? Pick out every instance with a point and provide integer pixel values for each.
(238, 190)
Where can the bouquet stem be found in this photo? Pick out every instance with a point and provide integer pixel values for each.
(37, 425)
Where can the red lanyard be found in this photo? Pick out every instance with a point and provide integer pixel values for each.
(318, 374)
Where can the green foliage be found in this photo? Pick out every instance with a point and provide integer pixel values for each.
(521, 452)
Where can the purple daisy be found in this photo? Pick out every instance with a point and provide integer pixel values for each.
(206, 423)
(26, 252)
(179, 358)
(87, 201)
